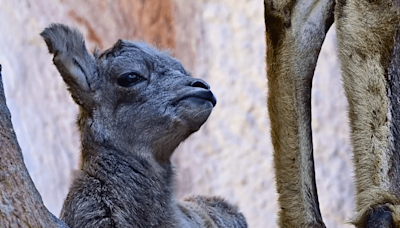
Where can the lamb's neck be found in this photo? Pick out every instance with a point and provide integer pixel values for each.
(93, 145)
(133, 163)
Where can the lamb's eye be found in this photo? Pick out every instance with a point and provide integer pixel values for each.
(129, 79)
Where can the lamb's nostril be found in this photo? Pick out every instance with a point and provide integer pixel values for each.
(200, 84)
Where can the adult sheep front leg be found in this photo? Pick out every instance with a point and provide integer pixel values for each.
(295, 32)
(369, 45)
(137, 105)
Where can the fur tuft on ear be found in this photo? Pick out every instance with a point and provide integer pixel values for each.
(73, 61)
(60, 38)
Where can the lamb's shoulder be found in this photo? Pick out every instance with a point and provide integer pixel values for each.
(110, 194)
(95, 200)
(213, 212)
(86, 203)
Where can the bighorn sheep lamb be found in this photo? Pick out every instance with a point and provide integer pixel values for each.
(136, 105)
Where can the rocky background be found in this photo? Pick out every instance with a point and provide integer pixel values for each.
(220, 41)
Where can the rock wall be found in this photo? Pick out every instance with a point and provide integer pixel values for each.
(220, 41)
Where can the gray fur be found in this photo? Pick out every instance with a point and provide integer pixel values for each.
(128, 135)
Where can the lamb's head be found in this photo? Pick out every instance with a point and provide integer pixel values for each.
(132, 97)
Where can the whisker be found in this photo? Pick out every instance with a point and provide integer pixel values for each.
(205, 110)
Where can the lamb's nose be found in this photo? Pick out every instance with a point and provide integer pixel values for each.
(200, 83)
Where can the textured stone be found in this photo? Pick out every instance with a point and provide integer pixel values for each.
(331, 138)
(221, 41)
(20, 203)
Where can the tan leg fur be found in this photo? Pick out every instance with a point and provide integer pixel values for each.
(366, 33)
(295, 32)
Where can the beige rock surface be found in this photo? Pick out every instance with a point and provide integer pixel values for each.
(221, 41)
(331, 139)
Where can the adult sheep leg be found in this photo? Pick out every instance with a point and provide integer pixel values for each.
(368, 42)
(295, 33)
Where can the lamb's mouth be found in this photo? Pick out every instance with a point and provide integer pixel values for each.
(204, 95)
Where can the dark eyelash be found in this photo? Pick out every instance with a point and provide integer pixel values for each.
(130, 79)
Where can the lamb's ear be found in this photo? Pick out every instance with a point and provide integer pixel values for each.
(76, 66)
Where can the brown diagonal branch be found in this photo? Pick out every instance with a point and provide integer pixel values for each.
(20, 203)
